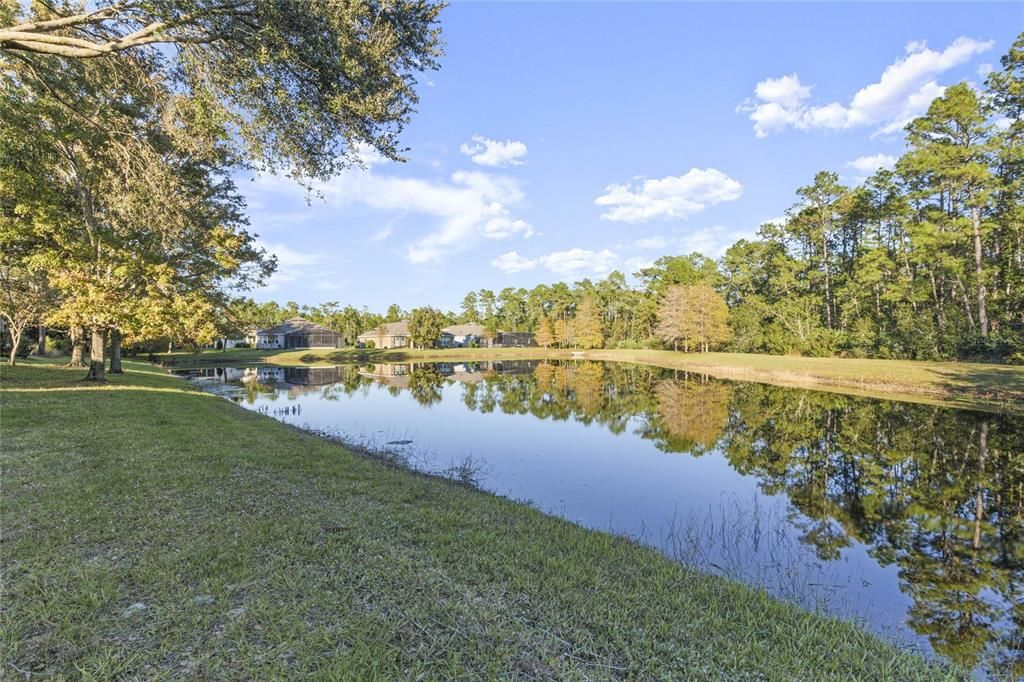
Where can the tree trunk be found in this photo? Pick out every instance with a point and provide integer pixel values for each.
(40, 341)
(115, 352)
(828, 281)
(15, 342)
(979, 500)
(97, 371)
(77, 347)
(982, 312)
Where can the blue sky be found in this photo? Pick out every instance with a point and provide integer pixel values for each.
(563, 140)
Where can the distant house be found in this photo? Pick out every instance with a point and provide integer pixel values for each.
(514, 339)
(298, 333)
(396, 335)
(475, 334)
(387, 335)
(466, 335)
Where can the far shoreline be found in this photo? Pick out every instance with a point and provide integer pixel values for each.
(960, 385)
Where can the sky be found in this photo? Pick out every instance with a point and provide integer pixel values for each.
(565, 140)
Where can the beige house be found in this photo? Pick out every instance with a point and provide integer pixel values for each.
(396, 335)
(388, 335)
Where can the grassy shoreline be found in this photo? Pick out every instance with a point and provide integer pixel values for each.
(994, 388)
(151, 530)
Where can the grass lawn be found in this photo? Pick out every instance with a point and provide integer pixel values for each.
(156, 532)
(997, 388)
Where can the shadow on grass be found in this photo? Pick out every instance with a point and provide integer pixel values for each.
(992, 381)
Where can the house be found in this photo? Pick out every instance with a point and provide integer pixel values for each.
(388, 335)
(466, 335)
(396, 335)
(514, 339)
(475, 334)
(298, 333)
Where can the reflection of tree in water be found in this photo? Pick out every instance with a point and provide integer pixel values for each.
(691, 414)
(425, 384)
(934, 491)
(938, 493)
(587, 385)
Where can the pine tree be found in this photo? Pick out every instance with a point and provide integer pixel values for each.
(545, 335)
(588, 324)
(563, 332)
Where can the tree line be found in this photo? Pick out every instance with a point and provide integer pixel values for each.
(921, 261)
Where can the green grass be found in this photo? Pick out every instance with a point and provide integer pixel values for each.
(263, 552)
(998, 388)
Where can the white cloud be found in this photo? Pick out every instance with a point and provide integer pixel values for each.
(468, 206)
(288, 257)
(503, 228)
(903, 92)
(487, 152)
(381, 234)
(672, 197)
(870, 164)
(655, 242)
(512, 262)
(637, 263)
(579, 261)
(291, 263)
(368, 155)
(985, 69)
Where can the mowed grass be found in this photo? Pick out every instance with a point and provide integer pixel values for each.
(998, 388)
(262, 552)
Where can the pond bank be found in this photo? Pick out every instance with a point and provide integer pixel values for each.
(256, 550)
(993, 388)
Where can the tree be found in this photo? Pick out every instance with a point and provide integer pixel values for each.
(470, 313)
(1006, 103)
(123, 239)
(563, 332)
(588, 324)
(425, 325)
(394, 313)
(812, 222)
(950, 155)
(696, 315)
(668, 271)
(24, 300)
(299, 84)
(545, 334)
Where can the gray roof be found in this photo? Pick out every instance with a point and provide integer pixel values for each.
(470, 329)
(295, 325)
(400, 328)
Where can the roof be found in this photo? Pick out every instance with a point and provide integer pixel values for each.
(470, 329)
(400, 328)
(296, 325)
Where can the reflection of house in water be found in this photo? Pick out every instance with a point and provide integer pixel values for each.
(264, 375)
(313, 376)
(227, 375)
(390, 374)
(271, 376)
(397, 374)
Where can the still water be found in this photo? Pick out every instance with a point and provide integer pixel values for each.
(906, 517)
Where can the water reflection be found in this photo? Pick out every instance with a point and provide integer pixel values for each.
(916, 507)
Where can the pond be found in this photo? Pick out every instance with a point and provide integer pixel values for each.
(908, 518)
